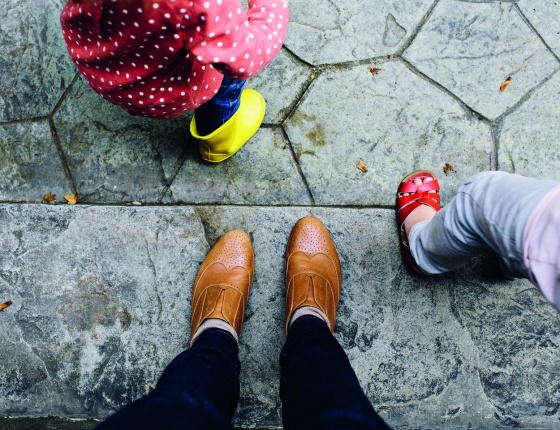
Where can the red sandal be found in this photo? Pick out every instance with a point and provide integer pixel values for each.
(419, 195)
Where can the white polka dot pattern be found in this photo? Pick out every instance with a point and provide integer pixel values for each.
(126, 50)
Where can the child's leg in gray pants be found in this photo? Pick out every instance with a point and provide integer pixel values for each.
(490, 211)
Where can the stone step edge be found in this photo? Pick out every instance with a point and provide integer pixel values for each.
(57, 423)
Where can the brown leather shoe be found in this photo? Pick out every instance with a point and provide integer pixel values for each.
(221, 287)
(313, 276)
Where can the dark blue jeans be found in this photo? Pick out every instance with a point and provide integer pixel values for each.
(199, 390)
(318, 388)
(212, 114)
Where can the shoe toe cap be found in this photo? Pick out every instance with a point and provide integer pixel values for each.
(312, 237)
(233, 249)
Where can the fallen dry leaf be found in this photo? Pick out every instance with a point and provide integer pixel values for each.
(72, 199)
(312, 76)
(49, 198)
(505, 84)
(53, 132)
(448, 168)
(5, 305)
(361, 166)
(79, 95)
(373, 70)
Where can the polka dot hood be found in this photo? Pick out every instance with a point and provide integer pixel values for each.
(161, 58)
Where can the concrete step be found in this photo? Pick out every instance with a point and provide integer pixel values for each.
(101, 304)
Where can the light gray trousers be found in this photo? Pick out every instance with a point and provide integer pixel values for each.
(490, 211)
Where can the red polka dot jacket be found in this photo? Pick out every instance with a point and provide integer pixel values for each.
(161, 58)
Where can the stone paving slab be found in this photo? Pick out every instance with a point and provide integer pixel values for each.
(113, 156)
(264, 172)
(30, 165)
(34, 65)
(545, 17)
(46, 424)
(395, 122)
(526, 146)
(116, 158)
(329, 32)
(81, 282)
(101, 305)
(472, 47)
(281, 84)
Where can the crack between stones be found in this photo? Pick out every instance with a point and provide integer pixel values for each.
(303, 96)
(202, 205)
(63, 159)
(298, 167)
(84, 197)
(301, 60)
(380, 59)
(24, 121)
(204, 224)
(533, 29)
(180, 162)
(158, 158)
(526, 97)
(417, 30)
(64, 95)
(154, 271)
(468, 110)
(495, 131)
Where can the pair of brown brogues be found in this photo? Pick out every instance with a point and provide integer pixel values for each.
(313, 277)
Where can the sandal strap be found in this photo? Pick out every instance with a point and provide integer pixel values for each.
(406, 204)
(410, 187)
(431, 199)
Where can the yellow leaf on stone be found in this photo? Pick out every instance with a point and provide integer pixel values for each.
(49, 198)
(72, 199)
(505, 84)
(361, 166)
(5, 305)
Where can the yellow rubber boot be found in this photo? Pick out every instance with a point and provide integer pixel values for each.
(226, 140)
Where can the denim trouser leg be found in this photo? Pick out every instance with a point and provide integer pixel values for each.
(490, 211)
(199, 390)
(318, 388)
(212, 114)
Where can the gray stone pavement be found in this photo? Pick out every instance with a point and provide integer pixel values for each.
(101, 290)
